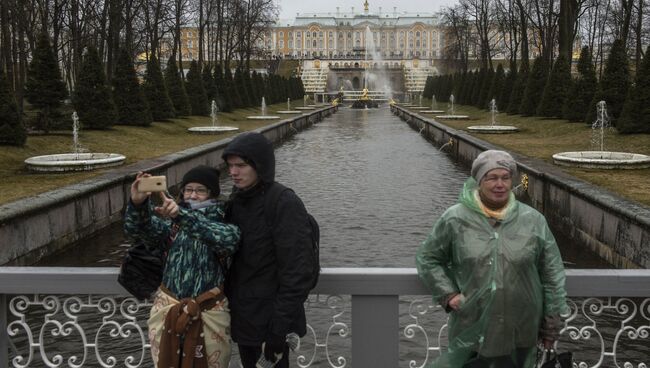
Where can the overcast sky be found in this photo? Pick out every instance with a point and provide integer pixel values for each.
(289, 8)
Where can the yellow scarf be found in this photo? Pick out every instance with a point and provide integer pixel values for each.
(499, 214)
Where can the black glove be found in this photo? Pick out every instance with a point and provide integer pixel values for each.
(274, 345)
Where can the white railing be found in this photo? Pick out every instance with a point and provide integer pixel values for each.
(366, 317)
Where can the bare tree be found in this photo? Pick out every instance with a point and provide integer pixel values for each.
(457, 23)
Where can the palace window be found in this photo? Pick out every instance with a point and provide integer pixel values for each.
(290, 44)
(189, 34)
(314, 34)
(298, 34)
(314, 44)
(320, 44)
(290, 35)
(417, 34)
(308, 34)
(331, 35)
(349, 34)
(357, 35)
(320, 34)
(189, 44)
(417, 43)
(281, 34)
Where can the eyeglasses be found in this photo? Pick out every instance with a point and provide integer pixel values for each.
(198, 191)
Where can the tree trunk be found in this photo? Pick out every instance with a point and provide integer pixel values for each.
(566, 27)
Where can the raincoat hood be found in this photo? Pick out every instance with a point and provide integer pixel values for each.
(256, 149)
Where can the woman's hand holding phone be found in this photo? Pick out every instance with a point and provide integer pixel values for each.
(138, 197)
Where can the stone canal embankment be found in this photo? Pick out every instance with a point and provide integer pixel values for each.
(35, 227)
(615, 228)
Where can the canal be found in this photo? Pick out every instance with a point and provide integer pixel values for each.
(376, 187)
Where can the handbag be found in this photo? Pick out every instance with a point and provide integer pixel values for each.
(551, 359)
(142, 267)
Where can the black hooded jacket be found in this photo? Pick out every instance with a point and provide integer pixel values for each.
(270, 277)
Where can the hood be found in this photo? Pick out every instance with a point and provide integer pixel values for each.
(254, 147)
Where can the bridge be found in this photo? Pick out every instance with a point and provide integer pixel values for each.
(379, 315)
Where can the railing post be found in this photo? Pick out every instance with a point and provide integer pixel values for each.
(4, 338)
(375, 330)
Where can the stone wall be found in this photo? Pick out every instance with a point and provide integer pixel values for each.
(615, 228)
(37, 226)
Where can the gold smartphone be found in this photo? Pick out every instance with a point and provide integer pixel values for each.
(153, 184)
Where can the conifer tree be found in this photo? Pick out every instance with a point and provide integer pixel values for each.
(253, 97)
(582, 89)
(497, 85)
(459, 85)
(635, 117)
(257, 81)
(220, 90)
(478, 83)
(508, 85)
(156, 92)
(132, 107)
(12, 130)
(176, 89)
(534, 87)
(93, 100)
(516, 96)
(240, 85)
(428, 88)
(196, 91)
(556, 89)
(485, 89)
(301, 88)
(44, 88)
(614, 84)
(465, 97)
(234, 100)
(208, 82)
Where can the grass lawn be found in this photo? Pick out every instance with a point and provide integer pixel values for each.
(136, 143)
(541, 138)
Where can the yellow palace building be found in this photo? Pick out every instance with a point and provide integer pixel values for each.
(336, 48)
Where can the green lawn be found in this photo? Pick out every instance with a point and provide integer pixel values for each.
(541, 138)
(136, 143)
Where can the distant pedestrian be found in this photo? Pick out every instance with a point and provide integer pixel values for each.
(493, 264)
(189, 323)
(272, 272)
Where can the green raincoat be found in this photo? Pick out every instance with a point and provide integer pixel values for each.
(509, 277)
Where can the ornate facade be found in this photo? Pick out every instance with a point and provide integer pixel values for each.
(343, 35)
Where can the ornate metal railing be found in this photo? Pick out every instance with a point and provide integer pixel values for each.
(361, 317)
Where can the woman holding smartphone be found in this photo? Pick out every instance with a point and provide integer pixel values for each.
(189, 323)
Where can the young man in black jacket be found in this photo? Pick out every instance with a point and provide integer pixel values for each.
(271, 274)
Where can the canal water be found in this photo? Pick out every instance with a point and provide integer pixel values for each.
(376, 187)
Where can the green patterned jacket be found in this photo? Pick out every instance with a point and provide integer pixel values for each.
(193, 261)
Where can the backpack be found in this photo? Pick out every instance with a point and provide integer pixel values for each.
(270, 205)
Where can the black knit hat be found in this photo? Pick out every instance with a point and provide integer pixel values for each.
(205, 175)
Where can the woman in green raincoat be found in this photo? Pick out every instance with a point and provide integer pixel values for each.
(492, 262)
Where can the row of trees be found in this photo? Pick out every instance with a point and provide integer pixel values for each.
(552, 92)
(229, 32)
(480, 31)
(102, 102)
